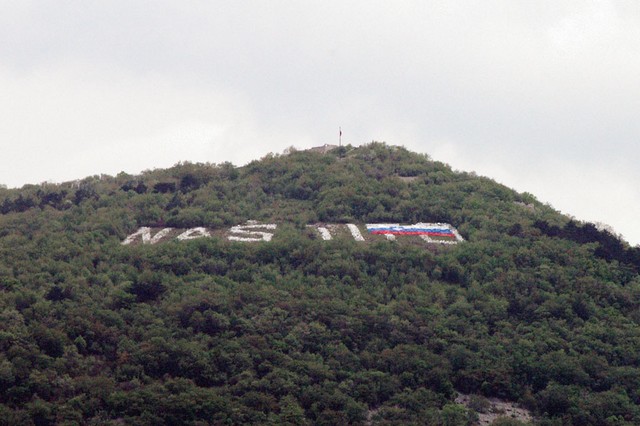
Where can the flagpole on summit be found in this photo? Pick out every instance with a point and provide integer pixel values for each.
(340, 136)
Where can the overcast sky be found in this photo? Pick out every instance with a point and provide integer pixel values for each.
(543, 96)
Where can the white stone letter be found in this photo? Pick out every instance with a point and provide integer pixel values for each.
(193, 233)
(249, 235)
(355, 232)
(145, 235)
(325, 234)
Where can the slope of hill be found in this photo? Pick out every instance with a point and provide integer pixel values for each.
(532, 307)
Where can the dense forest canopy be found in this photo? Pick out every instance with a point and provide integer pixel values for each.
(533, 307)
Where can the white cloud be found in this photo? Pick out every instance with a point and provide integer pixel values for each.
(67, 122)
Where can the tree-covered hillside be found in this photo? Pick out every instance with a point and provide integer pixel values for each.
(533, 307)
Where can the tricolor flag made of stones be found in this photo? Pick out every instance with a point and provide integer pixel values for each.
(425, 230)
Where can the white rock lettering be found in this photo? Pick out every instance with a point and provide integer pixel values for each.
(253, 232)
(250, 234)
(144, 234)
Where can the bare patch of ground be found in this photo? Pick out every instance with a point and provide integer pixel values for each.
(408, 179)
(490, 409)
(322, 149)
(529, 207)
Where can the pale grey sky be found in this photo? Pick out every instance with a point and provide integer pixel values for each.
(542, 96)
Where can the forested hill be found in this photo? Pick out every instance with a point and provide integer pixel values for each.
(531, 307)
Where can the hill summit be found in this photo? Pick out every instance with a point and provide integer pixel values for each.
(159, 299)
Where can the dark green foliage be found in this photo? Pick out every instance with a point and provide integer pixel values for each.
(532, 307)
(164, 187)
(85, 192)
(139, 187)
(609, 246)
(147, 286)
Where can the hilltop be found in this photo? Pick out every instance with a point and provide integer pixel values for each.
(227, 326)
